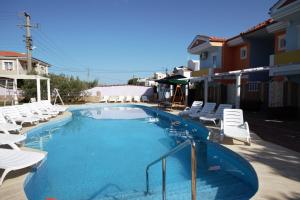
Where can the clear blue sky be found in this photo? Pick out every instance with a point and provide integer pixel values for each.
(116, 39)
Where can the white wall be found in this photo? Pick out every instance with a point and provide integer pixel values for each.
(123, 90)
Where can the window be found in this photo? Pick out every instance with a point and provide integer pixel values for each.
(214, 61)
(253, 86)
(203, 55)
(8, 65)
(243, 53)
(281, 42)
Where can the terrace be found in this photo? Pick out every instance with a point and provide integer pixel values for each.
(276, 166)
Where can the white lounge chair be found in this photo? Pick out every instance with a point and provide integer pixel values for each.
(50, 108)
(25, 111)
(196, 107)
(112, 99)
(8, 125)
(13, 113)
(218, 115)
(136, 99)
(120, 99)
(208, 108)
(11, 159)
(11, 140)
(128, 99)
(59, 108)
(103, 99)
(233, 126)
(40, 111)
(144, 99)
(44, 109)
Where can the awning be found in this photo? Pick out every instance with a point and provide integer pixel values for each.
(197, 79)
(172, 80)
(285, 70)
(23, 76)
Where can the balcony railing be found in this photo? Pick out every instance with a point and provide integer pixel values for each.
(288, 57)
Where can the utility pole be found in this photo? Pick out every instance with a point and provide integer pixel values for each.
(28, 40)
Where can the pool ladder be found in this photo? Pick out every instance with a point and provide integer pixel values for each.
(163, 159)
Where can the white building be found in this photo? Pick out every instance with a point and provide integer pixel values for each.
(14, 63)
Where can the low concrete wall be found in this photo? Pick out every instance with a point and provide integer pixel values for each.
(124, 90)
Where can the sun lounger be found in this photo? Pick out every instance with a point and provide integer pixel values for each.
(136, 99)
(25, 111)
(44, 109)
(112, 99)
(11, 140)
(11, 159)
(218, 115)
(8, 125)
(103, 99)
(13, 113)
(120, 99)
(196, 107)
(37, 110)
(144, 99)
(233, 126)
(59, 108)
(128, 99)
(208, 108)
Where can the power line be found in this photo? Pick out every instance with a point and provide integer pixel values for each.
(54, 44)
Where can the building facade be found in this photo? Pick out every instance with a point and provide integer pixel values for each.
(267, 58)
(285, 69)
(14, 63)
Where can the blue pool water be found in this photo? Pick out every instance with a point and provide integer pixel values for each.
(102, 152)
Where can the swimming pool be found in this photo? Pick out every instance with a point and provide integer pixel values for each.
(101, 152)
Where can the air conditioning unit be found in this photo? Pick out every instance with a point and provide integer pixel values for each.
(203, 55)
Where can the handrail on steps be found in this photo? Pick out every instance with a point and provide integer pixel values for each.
(163, 159)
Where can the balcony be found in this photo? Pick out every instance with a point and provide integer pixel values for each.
(201, 72)
(286, 58)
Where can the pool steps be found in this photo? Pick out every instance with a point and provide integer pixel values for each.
(221, 187)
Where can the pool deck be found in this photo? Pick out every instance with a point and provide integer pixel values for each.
(277, 168)
(13, 185)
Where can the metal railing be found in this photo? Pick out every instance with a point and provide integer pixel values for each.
(163, 159)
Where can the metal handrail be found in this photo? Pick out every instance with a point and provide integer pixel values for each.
(163, 159)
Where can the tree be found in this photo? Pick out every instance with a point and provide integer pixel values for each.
(70, 88)
(133, 81)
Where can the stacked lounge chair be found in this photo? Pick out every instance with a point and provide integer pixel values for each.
(216, 116)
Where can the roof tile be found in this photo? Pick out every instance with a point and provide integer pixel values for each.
(11, 54)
